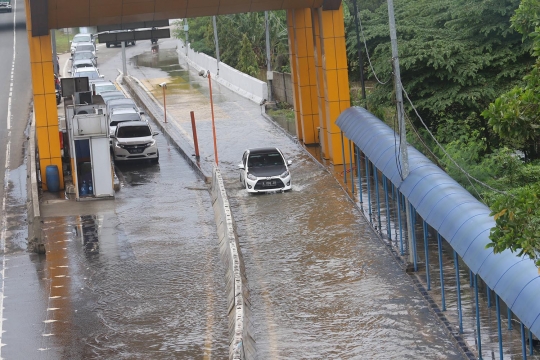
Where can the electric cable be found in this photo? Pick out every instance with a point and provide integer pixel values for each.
(367, 53)
(469, 176)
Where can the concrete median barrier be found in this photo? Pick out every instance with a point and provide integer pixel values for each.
(241, 342)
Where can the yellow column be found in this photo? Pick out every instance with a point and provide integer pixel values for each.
(336, 79)
(294, 80)
(46, 114)
(323, 139)
(305, 74)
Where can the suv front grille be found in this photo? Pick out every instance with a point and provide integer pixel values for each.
(135, 149)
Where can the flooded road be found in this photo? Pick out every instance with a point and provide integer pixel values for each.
(322, 284)
(137, 277)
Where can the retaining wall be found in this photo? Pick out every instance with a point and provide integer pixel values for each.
(35, 242)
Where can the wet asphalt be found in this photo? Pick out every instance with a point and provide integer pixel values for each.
(140, 277)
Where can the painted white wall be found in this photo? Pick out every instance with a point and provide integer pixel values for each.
(243, 84)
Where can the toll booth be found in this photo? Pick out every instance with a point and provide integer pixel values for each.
(87, 130)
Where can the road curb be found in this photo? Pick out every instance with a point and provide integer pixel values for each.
(140, 93)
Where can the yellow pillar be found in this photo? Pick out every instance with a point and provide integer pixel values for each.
(46, 113)
(305, 74)
(323, 139)
(336, 79)
(294, 80)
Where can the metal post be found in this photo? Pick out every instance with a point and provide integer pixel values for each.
(217, 43)
(360, 59)
(55, 56)
(400, 111)
(195, 139)
(488, 297)
(268, 56)
(343, 154)
(439, 245)
(376, 188)
(426, 238)
(388, 228)
(368, 187)
(460, 315)
(531, 347)
(124, 66)
(479, 338)
(213, 121)
(523, 344)
(164, 103)
(351, 168)
(471, 280)
(186, 30)
(412, 250)
(359, 173)
(509, 318)
(499, 331)
(399, 223)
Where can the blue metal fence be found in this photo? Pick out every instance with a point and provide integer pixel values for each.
(443, 211)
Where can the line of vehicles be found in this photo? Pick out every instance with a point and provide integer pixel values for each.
(131, 136)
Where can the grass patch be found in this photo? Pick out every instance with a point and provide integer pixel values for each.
(62, 41)
(287, 114)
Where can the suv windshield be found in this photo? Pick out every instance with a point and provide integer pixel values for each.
(85, 47)
(133, 131)
(82, 38)
(270, 159)
(83, 55)
(118, 118)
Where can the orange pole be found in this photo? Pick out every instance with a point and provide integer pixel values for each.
(195, 140)
(213, 123)
(164, 104)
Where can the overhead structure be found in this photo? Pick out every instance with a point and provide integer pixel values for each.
(317, 48)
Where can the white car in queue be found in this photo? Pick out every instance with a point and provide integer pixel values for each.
(265, 170)
(134, 140)
(119, 115)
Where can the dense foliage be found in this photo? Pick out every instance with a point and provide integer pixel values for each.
(231, 31)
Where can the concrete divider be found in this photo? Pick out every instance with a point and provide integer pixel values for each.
(35, 239)
(245, 85)
(241, 341)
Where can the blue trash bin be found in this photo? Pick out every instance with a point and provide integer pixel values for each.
(53, 178)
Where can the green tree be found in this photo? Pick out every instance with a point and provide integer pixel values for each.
(456, 56)
(518, 223)
(247, 59)
(514, 116)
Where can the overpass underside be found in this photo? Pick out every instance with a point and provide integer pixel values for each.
(316, 45)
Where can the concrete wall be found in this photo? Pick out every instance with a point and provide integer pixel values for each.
(242, 344)
(35, 243)
(245, 85)
(282, 88)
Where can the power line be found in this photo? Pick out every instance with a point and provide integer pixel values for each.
(367, 53)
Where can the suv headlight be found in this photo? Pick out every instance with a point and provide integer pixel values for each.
(284, 175)
(251, 177)
(151, 143)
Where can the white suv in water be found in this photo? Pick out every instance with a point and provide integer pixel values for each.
(265, 170)
(134, 140)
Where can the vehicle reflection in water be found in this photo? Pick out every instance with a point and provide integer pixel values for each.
(88, 232)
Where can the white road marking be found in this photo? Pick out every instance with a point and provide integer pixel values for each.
(6, 179)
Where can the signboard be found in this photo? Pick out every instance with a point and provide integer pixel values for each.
(133, 26)
(134, 35)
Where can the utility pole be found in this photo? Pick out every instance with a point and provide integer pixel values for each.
(401, 119)
(124, 66)
(186, 28)
(360, 58)
(217, 43)
(269, 73)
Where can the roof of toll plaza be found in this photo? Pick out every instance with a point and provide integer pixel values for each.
(73, 13)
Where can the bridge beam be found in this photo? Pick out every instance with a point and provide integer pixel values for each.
(45, 109)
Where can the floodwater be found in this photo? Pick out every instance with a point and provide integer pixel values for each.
(137, 277)
(322, 284)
